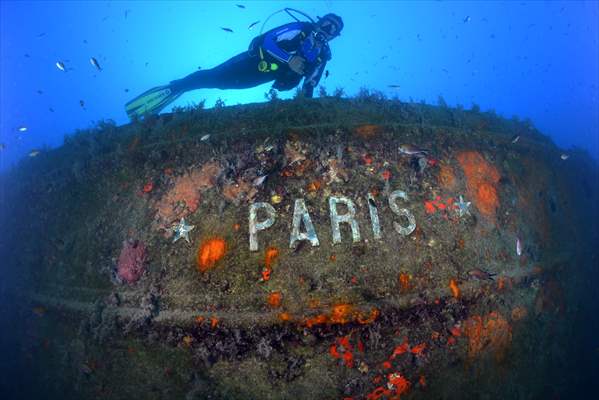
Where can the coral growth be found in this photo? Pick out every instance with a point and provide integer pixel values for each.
(314, 186)
(274, 299)
(295, 151)
(269, 257)
(131, 264)
(336, 172)
(184, 197)
(235, 192)
(148, 187)
(210, 252)
(455, 289)
(367, 132)
(491, 333)
(519, 313)
(343, 349)
(446, 177)
(432, 206)
(481, 181)
(397, 385)
(342, 314)
(404, 282)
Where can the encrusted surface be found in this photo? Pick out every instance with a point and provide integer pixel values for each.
(347, 299)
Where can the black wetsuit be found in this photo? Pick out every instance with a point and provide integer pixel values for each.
(278, 46)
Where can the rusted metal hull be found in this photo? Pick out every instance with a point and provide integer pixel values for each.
(322, 262)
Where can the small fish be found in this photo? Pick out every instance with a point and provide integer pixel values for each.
(39, 311)
(27, 55)
(2, 146)
(95, 63)
(481, 274)
(515, 139)
(22, 128)
(259, 180)
(126, 13)
(518, 247)
(34, 153)
(82, 103)
(394, 86)
(60, 66)
(41, 34)
(126, 90)
(40, 92)
(252, 25)
(326, 74)
(227, 29)
(240, 5)
(564, 156)
(467, 19)
(147, 63)
(371, 202)
(204, 138)
(51, 109)
(411, 150)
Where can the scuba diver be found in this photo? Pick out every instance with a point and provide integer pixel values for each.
(285, 55)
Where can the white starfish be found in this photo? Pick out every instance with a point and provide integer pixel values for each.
(182, 230)
(463, 207)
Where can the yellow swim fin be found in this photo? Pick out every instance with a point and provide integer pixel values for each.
(151, 102)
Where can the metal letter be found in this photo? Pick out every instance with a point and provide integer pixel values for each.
(300, 213)
(260, 226)
(350, 218)
(374, 217)
(405, 231)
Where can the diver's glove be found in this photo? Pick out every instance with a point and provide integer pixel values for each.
(297, 64)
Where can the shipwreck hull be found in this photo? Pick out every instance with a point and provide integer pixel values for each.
(441, 273)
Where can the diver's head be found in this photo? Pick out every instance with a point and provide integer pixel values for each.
(328, 27)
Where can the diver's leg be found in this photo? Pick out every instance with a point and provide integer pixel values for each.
(239, 72)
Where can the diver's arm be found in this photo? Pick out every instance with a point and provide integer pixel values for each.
(311, 80)
(272, 38)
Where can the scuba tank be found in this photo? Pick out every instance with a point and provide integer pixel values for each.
(256, 43)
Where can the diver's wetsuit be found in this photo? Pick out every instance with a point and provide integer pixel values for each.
(278, 46)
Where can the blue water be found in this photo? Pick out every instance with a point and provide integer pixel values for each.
(536, 60)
